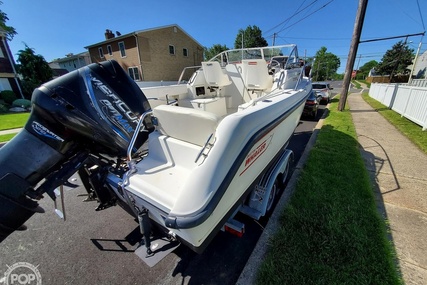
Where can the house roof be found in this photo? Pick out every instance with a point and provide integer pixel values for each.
(138, 32)
(71, 57)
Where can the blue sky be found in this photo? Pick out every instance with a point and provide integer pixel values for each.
(54, 28)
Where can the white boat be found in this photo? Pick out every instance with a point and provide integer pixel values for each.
(214, 139)
(234, 116)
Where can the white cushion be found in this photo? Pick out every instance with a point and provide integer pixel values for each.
(187, 124)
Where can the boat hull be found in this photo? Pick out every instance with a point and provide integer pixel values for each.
(245, 144)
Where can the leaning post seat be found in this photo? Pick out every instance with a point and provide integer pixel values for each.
(215, 76)
(255, 74)
(186, 124)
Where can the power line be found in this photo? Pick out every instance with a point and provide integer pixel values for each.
(320, 39)
(421, 15)
(296, 13)
(391, 38)
(284, 28)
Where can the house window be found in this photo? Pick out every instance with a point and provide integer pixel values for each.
(110, 50)
(134, 73)
(1, 53)
(101, 52)
(185, 52)
(122, 49)
(171, 50)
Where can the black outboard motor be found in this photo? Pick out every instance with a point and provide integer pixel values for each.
(93, 110)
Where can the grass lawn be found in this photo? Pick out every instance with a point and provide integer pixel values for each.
(331, 232)
(411, 130)
(365, 82)
(356, 84)
(5, 138)
(12, 121)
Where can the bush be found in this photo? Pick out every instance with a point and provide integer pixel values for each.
(3, 109)
(8, 96)
(24, 103)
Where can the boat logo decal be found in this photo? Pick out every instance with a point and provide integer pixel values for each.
(256, 153)
(116, 111)
(45, 132)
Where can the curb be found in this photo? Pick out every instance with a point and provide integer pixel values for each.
(249, 272)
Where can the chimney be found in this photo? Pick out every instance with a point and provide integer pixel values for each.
(109, 34)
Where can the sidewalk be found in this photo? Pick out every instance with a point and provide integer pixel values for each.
(397, 168)
(12, 131)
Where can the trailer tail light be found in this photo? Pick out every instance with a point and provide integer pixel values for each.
(234, 227)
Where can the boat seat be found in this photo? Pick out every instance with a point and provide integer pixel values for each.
(255, 74)
(186, 124)
(215, 76)
(216, 105)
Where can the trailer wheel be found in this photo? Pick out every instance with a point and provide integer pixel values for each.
(272, 196)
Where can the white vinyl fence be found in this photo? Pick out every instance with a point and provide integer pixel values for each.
(409, 101)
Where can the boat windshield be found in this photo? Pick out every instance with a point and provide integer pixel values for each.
(288, 52)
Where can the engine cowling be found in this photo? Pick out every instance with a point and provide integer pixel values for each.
(94, 109)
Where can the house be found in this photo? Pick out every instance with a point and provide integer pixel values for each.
(71, 62)
(150, 55)
(8, 76)
(420, 70)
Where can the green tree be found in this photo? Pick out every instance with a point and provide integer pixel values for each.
(33, 68)
(325, 65)
(366, 68)
(214, 50)
(10, 31)
(252, 37)
(396, 60)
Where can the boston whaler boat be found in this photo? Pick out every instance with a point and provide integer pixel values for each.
(186, 163)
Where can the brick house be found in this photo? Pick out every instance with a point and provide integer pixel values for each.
(8, 76)
(150, 55)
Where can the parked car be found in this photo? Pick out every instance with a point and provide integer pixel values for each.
(323, 90)
(311, 105)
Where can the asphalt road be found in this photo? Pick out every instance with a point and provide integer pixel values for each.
(98, 247)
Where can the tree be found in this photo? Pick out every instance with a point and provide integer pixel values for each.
(33, 68)
(252, 37)
(364, 70)
(396, 60)
(10, 31)
(214, 50)
(325, 65)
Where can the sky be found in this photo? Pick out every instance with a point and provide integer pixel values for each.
(54, 28)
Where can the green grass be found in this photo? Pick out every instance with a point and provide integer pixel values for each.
(331, 232)
(356, 84)
(5, 138)
(411, 130)
(365, 82)
(12, 121)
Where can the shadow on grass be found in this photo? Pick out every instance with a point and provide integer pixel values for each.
(332, 232)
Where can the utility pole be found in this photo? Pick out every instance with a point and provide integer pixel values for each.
(415, 60)
(357, 31)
